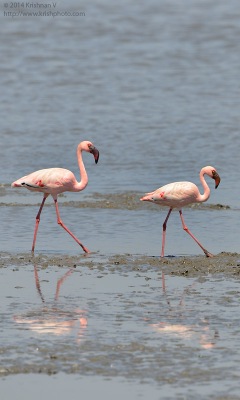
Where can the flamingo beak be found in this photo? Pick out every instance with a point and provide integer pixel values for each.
(217, 179)
(95, 153)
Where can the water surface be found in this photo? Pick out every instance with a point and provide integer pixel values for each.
(106, 320)
(155, 86)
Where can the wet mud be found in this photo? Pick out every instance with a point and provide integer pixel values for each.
(188, 266)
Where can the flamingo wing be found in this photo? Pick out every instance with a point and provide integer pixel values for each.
(47, 180)
(176, 194)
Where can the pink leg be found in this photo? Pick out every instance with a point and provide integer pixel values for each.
(188, 231)
(59, 221)
(164, 231)
(37, 222)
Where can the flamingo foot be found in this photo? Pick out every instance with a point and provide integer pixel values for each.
(85, 249)
(207, 254)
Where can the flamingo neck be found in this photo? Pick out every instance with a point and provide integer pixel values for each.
(83, 173)
(205, 196)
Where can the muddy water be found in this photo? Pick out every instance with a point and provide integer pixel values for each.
(170, 325)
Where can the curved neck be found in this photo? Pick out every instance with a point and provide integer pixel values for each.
(83, 173)
(203, 197)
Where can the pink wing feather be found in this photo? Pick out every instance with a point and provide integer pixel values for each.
(50, 180)
(176, 194)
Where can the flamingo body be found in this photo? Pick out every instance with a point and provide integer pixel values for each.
(174, 195)
(53, 181)
(180, 194)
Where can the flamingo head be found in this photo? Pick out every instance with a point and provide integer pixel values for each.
(216, 177)
(90, 148)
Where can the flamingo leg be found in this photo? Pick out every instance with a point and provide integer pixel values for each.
(194, 238)
(59, 221)
(164, 231)
(37, 221)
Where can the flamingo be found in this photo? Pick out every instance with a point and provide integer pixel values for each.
(180, 194)
(55, 181)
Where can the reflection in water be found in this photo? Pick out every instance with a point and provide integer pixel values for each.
(175, 327)
(53, 319)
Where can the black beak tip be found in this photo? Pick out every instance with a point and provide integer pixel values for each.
(96, 155)
(217, 183)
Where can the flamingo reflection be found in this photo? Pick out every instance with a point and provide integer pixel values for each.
(174, 326)
(53, 319)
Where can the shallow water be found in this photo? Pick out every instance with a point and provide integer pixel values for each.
(169, 333)
(155, 86)
(61, 385)
(114, 230)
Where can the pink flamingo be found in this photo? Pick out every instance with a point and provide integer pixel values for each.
(180, 194)
(55, 181)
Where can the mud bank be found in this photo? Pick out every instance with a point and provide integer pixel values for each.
(119, 201)
(222, 263)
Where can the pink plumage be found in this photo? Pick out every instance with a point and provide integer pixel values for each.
(180, 194)
(53, 181)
